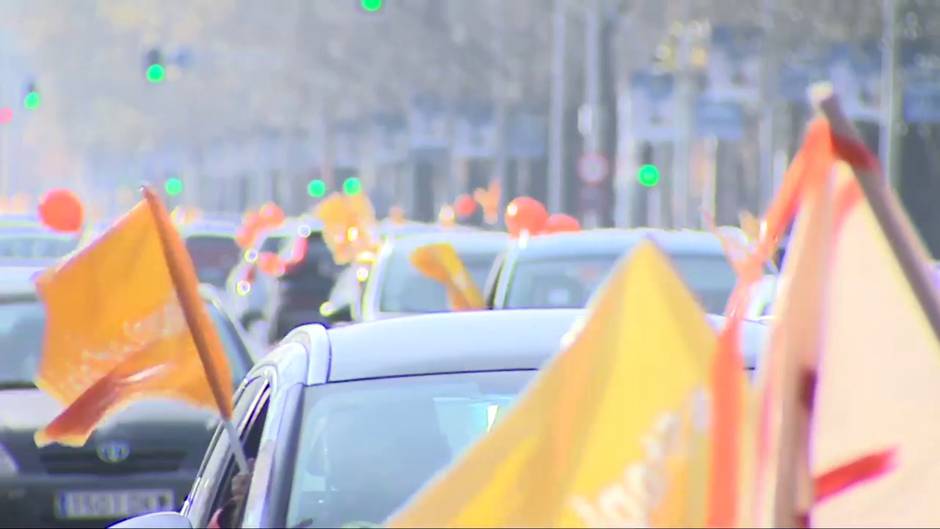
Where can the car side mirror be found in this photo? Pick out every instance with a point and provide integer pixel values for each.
(157, 520)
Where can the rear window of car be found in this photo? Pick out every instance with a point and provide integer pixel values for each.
(213, 256)
(30, 246)
(406, 290)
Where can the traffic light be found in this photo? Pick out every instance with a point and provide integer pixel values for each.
(154, 68)
(648, 175)
(352, 186)
(173, 186)
(31, 97)
(316, 188)
(371, 6)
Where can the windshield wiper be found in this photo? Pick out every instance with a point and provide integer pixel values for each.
(17, 384)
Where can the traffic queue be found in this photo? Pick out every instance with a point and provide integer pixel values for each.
(338, 370)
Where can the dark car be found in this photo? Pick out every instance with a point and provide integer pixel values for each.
(213, 250)
(141, 459)
(347, 424)
(304, 285)
(565, 269)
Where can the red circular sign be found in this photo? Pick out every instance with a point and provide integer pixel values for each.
(593, 168)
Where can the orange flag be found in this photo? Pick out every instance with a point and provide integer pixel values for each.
(125, 322)
(441, 263)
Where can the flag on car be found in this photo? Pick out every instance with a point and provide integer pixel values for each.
(848, 419)
(125, 322)
(613, 433)
(441, 263)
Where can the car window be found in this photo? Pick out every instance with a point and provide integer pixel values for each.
(558, 282)
(405, 289)
(207, 493)
(213, 257)
(36, 246)
(273, 244)
(365, 447)
(23, 323)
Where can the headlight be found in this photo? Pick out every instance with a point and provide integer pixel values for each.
(7, 464)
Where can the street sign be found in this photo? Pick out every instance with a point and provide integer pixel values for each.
(734, 64)
(723, 120)
(427, 123)
(921, 65)
(528, 135)
(593, 168)
(855, 70)
(475, 131)
(652, 106)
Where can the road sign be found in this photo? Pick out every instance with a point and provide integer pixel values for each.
(593, 168)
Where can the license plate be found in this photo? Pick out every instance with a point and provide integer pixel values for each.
(113, 504)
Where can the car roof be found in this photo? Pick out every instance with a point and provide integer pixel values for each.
(461, 240)
(452, 342)
(608, 241)
(447, 342)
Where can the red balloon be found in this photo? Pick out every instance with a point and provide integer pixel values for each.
(271, 264)
(525, 214)
(465, 206)
(559, 222)
(62, 211)
(271, 214)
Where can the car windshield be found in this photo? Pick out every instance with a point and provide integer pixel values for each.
(36, 246)
(367, 446)
(570, 282)
(213, 257)
(405, 289)
(23, 322)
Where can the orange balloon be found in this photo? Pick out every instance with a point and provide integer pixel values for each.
(525, 214)
(465, 206)
(559, 222)
(271, 214)
(62, 211)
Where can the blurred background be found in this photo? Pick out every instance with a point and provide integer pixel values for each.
(619, 112)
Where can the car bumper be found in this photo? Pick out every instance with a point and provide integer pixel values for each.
(30, 501)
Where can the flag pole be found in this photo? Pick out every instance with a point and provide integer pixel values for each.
(887, 212)
(187, 291)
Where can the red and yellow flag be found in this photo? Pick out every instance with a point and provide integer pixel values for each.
(125, 322)
(441, 263)
(613, 433)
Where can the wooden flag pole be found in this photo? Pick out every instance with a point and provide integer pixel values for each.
(888, 213)
(187, 291)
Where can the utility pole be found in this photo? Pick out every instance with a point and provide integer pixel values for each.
(684, 123)
(556, 151)
(591, 116)
(887, 139)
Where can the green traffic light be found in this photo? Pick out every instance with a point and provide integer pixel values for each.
(156, 73)
(32, 100)
(173, 186)
(371, 5)
(352, 186)
(648, 175)
(316, 188)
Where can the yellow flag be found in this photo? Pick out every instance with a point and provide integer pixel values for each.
(613, 433)
(441, 263)
(116, 330)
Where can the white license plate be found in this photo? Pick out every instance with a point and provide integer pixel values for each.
(113, 504)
